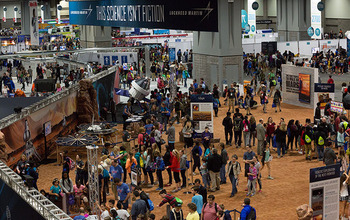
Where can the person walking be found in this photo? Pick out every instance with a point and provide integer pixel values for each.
(228, 125)
(277, 99)
(138, 207)
(171, 135)
(246, 131)
(260, 135)
(214, 166)
(210, 209)
(252, 177)
(238, 127)
(248, 212)
(233, 171)
(266, 159)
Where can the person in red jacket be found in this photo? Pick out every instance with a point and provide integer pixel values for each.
(175, 168)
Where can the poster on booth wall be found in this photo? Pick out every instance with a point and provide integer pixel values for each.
(337, 107)
(304, 87)
(324, 192)
(202, 112)
(34, 26)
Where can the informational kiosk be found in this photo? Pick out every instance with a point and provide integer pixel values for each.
(324, 192)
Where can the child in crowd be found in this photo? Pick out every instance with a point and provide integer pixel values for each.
(344, 195)
(240, 102)
(252, 176)
(205, 173)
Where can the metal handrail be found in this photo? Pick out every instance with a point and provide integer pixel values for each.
(33, 197)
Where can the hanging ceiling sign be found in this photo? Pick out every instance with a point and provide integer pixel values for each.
(196, 15)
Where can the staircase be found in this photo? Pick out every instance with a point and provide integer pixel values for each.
(32, 196)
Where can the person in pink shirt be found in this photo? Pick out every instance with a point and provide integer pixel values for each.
(78, 190)
(252, 179)
(210, 209)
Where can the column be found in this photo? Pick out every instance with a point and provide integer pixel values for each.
(218, 55)
(293, 19)
(25, 18)
(95, 36)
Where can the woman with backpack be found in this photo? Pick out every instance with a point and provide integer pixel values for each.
(246, 131)
(130, 163)
(187, 133)
(160, 166)
(167, 162)
(150, 165)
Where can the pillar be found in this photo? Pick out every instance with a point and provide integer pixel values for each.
(218, 55)
(25, 18)
(293, 19)
(95, 36)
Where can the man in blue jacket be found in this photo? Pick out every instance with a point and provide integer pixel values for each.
(246, 211)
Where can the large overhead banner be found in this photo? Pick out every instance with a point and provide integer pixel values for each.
(196, 15)
(34, 26)
(316, 20)
(251, 18)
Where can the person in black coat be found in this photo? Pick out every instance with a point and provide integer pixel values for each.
(214, 166)
(167, 163)
(228, 125)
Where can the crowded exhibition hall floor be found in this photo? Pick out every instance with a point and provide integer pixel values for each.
(278, 198)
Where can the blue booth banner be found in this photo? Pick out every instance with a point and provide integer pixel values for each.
(196, 15)
(324, 87)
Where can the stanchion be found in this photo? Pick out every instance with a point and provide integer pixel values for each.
(189, 171)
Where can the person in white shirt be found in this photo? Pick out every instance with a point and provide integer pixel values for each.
(103, 210)
(344, 194)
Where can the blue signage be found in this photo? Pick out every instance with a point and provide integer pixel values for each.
(255, 6)
(244, 18)
(124, 59)
(324, 87)
(172, 54)
(348, 48)
(202, 98)
(196, 15)
(247, 28)
(253, 28)
(324, 173)
(310, 31)
(317, 32)
(114, 60)
(320, 6)
(107, 60)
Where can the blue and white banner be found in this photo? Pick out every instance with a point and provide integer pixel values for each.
(196, 15)
(251, 18)
(316, 20)
(34, 26)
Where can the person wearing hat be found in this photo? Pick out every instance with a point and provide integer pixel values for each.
(176, 213)
(248, 212)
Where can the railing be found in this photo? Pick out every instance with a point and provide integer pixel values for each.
(7, 121)
(32, 196)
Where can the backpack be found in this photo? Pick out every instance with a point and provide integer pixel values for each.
(216, 207)
(146, 138)
(320, 141)
(227, 215)
(161, 165)
(237, 125)
(307, 139)
(142, 164)
(252, 214)
(71, 164)
(151, 205)
(105, 173)
(246, 127)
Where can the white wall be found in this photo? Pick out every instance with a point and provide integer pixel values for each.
(10, 7)
(337, 9)
(272, 7)
(288, 46)
(305, 47)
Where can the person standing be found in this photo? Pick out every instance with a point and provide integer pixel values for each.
(252, 176)
(246, 131)
(260, 134)
(116, 172)
(232, 97)
(30, 74)
(329, 157)
(160, 167)
(197, 199)
(281, 133)
(224, 157)
(139, 206)
(233, 171)
(247, 158)
(206, 138)
(171, 135)
(214, 166)
(123, 193)
(176, 213)
(193, 213)
(228, 125)
(247, 209)
(196, 155)
(210, 209)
